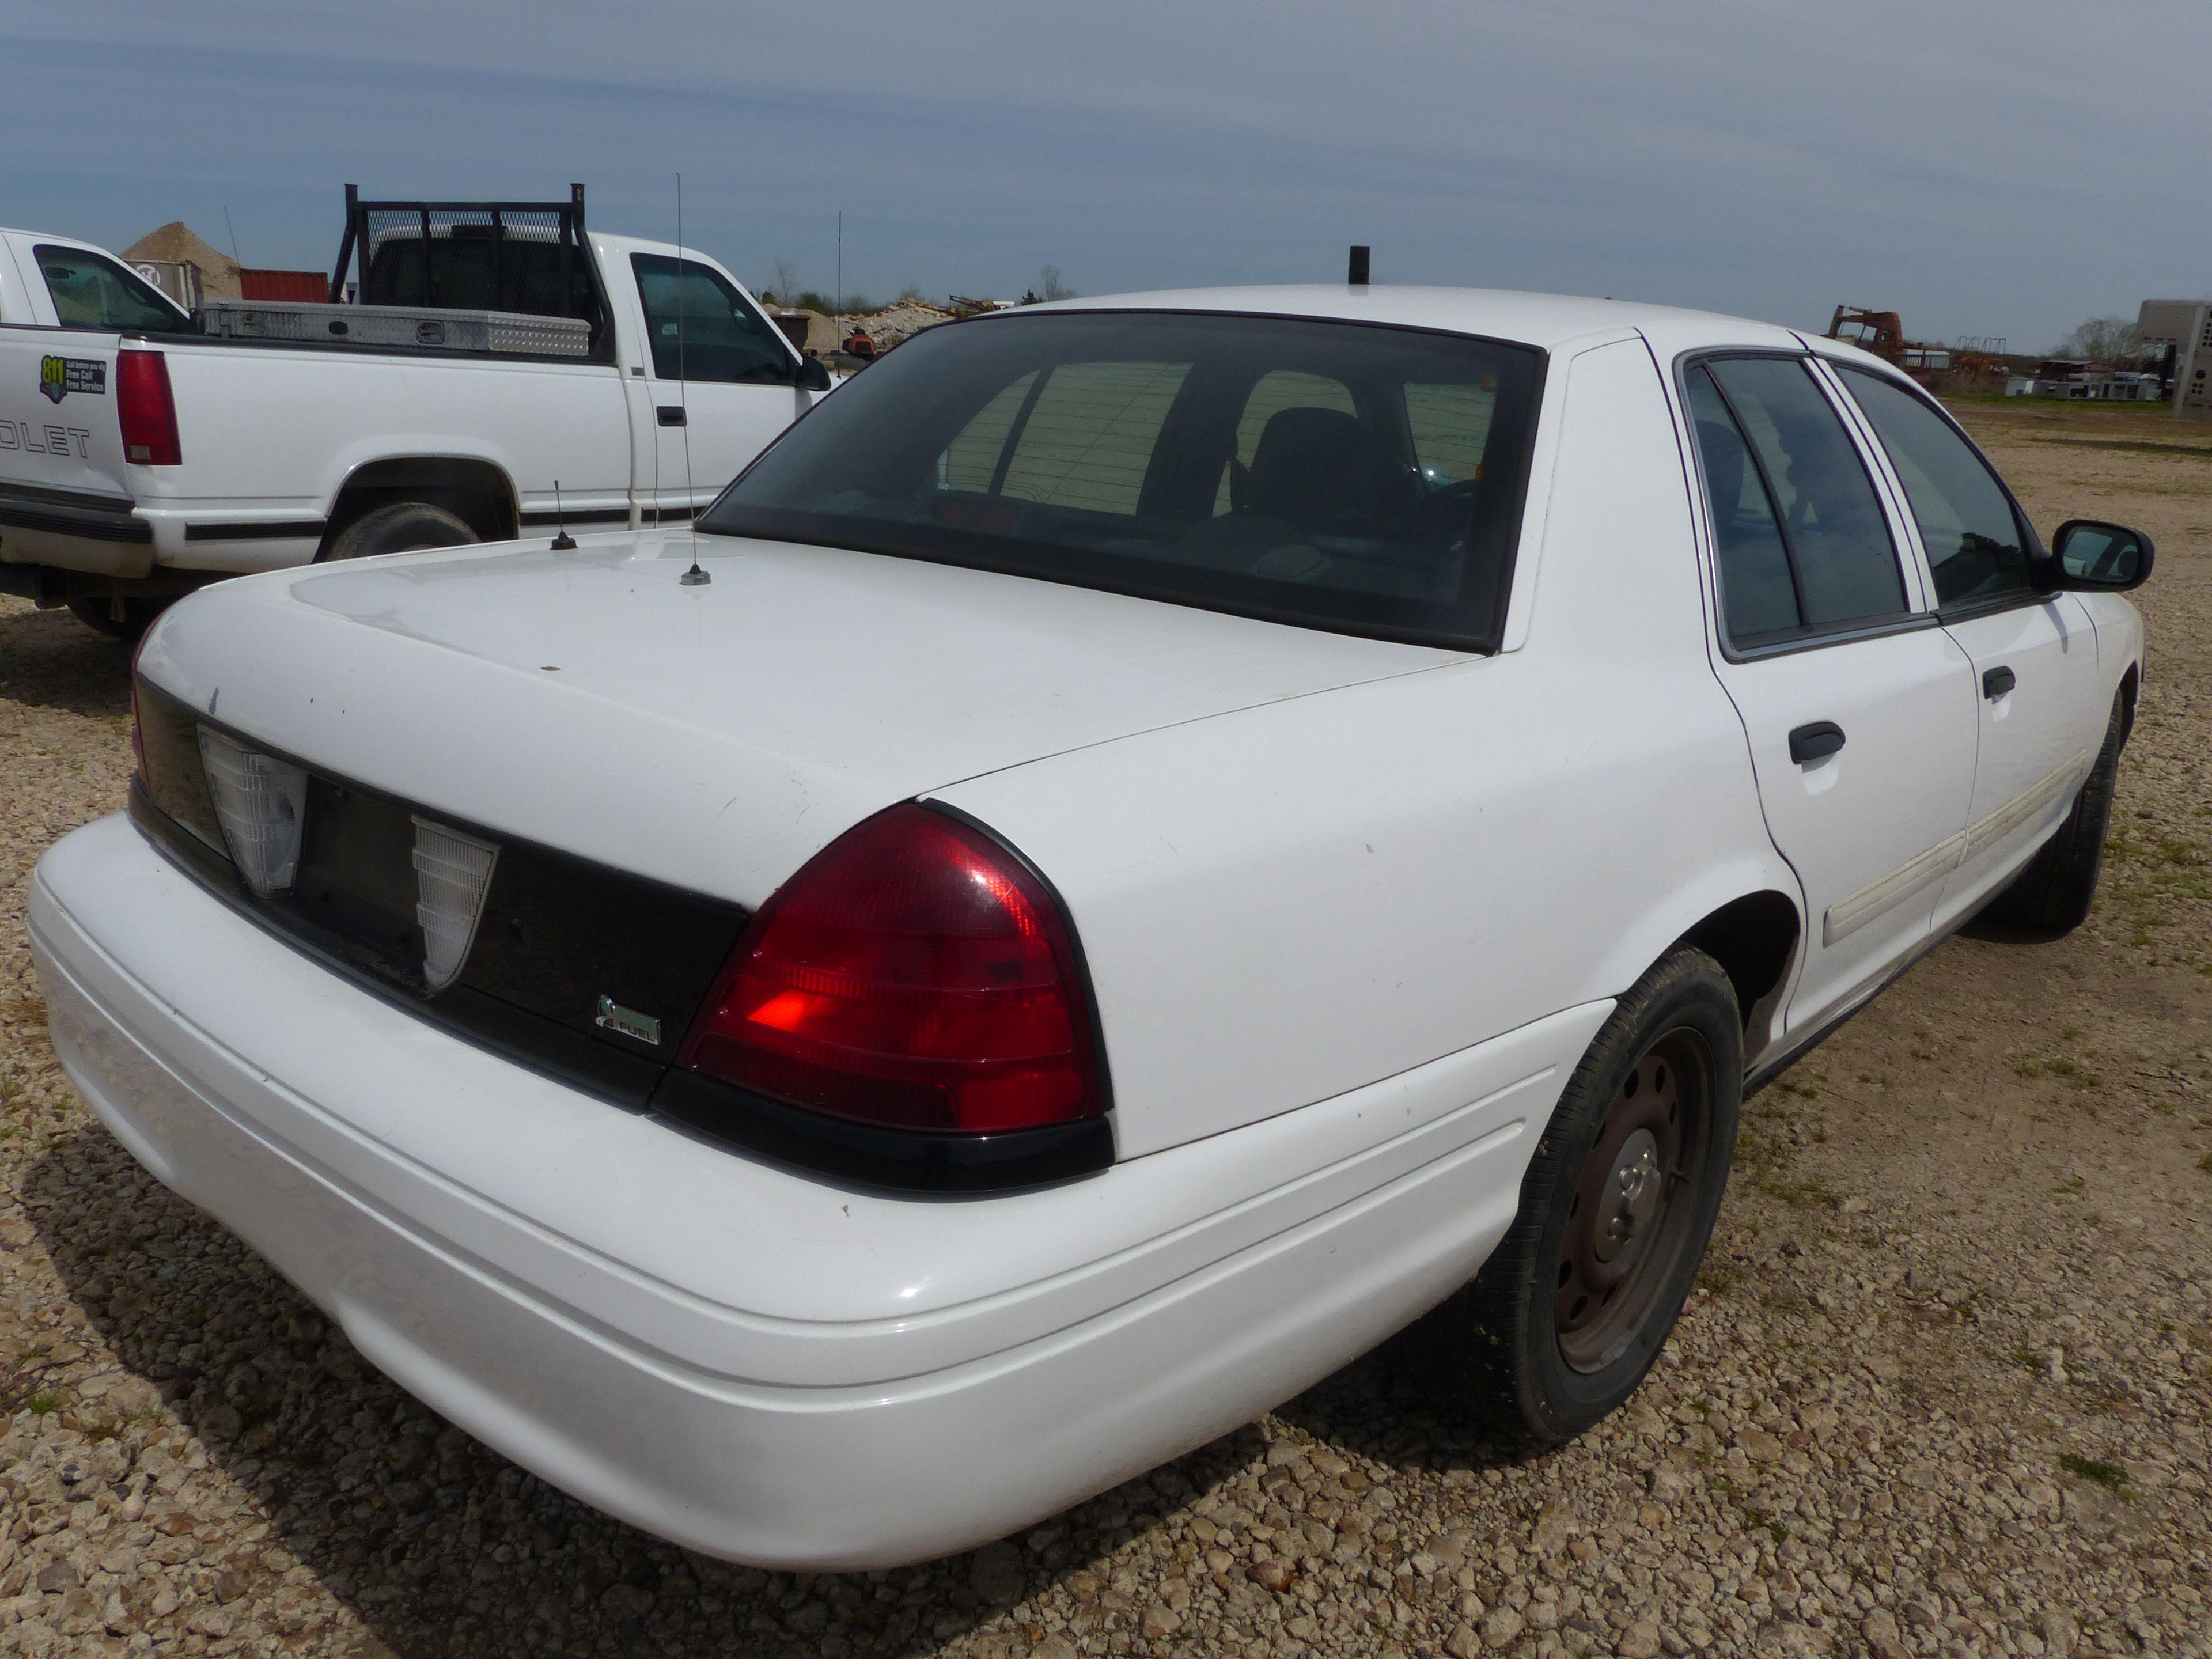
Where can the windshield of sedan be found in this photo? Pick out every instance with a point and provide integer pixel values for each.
(1340, 475)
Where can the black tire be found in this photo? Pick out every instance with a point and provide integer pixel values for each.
(99, 615)
(2052, 895)
(1533, 1348)
(402, 527)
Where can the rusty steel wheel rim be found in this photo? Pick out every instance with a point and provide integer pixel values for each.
(1635, 1202)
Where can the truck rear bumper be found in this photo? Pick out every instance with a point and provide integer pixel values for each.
(74, 530)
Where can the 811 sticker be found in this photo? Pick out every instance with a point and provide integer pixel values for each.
(59, 376)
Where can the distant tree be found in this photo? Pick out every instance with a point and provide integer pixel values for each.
(808, 300)
(2106, 339)
(856, 304)
(911, 291)
(786, 280)
(1049, 281)
(1029, 298)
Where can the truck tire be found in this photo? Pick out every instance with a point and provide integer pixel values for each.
(1572, 1307)
(99, 615)
(2052, 895)
(402, 527)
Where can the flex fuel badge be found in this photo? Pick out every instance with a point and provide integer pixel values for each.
(59, 376)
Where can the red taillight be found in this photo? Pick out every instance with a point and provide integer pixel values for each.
(147, 411)
(914, 976)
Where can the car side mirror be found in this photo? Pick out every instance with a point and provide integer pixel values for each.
(2096, 557)
(814, 374)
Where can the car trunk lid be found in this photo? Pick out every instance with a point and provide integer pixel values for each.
(711, 736)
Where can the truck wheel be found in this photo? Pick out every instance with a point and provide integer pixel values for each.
(1618, 1204)
(99, 615)
(2052, 895)
(402, 527)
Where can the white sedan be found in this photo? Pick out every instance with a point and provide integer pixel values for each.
(1145, 846)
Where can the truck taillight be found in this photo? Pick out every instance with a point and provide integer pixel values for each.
(147, 410)
(916, 974)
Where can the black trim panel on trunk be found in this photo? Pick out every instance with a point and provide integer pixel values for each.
(559, 940)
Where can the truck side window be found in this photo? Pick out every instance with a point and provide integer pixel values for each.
(90, 292)
(1842, 562)
(692, 314)
(1975, 547)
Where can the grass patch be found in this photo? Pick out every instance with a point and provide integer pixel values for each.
(44, 1403)
(2110, 1476)
(2203, 452)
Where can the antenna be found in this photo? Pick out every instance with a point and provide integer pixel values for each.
(237, 259)
(563, 541)
(841, 267)
(695, 577)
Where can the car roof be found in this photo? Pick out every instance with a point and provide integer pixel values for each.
(1545, 320)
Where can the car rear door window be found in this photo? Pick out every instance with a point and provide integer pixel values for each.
(89, 292)
(1799, 536)
(1977, 549)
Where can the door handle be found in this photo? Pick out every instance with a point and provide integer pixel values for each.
(1815, 742)
(671, 414)
(1997, 682)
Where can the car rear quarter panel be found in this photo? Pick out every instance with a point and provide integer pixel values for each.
(1288, 902)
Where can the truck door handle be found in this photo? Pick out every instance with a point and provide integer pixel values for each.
(671, 414)
(1815, 742)
(1997, 681)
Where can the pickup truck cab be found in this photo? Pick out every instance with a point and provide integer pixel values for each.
(144, 452)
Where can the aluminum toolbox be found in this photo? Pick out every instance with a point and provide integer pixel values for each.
(419, 326)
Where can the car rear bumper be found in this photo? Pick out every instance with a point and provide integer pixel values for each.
(766, 1401)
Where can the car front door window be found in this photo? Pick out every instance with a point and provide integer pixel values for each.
(1977, 549)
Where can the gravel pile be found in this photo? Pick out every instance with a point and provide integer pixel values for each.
(900, 321)
(1944, 1389)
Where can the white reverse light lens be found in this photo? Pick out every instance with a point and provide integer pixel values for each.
(260, 801)
(452, 874)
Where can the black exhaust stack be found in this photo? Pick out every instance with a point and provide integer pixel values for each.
(1359, 276)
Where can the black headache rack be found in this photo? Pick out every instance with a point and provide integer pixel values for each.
(473, 255)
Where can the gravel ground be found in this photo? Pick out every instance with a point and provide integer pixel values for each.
(1944, 1389)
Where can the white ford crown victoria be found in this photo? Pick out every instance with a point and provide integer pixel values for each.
(1143, 846)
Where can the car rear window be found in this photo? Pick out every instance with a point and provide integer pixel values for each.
(1341, 476)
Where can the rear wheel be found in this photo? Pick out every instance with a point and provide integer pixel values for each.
(402, 527)
(1618, 1204)
(119, 619)
(2053, 894)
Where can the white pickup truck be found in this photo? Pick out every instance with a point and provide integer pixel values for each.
(144, 452)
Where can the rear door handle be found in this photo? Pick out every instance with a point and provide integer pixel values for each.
(671, 414)
(1997, 682)
(1815, 742)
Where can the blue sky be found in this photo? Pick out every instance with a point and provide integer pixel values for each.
(1981, 167)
